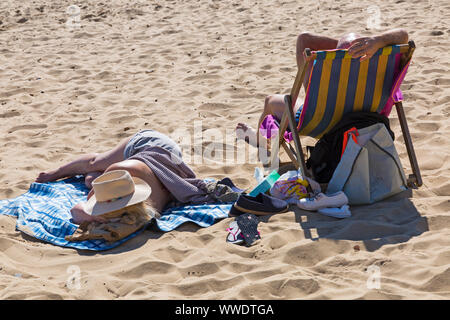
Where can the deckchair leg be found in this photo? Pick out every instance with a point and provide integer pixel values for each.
(290, 153)
(281, 142)
(292, 126)
(415, 178)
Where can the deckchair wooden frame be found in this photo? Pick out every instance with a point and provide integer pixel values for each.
(297, 156)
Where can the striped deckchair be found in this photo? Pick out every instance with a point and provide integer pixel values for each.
(339, 84)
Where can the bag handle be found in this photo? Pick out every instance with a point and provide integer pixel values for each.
(345, 167)
(353, 132)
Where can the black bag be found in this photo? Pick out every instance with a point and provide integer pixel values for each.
(326, 154)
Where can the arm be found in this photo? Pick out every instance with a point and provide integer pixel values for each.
(396, 36)
(365, 47)
(80, 216)
(314, 42)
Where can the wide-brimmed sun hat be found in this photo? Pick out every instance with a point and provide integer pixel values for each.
(115, 190)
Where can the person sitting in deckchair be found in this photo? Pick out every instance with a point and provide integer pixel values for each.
(358, 47)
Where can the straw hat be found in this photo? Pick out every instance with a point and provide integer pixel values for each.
(115, 190)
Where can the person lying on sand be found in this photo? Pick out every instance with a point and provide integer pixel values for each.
(358, 46)
(148, 155)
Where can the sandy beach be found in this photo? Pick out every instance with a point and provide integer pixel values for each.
(73, 82)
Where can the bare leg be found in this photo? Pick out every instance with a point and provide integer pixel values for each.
(273, 105)
(88, 163)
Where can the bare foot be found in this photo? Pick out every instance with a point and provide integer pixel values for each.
(48, 176)
(247, 133)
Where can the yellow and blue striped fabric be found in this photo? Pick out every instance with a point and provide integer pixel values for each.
(340, 84)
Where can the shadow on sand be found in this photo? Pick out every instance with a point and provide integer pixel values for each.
(394, 220)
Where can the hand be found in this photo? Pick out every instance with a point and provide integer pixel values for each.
(80, 216)
(364, 47)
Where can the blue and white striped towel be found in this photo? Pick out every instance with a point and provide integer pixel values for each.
(43, 212)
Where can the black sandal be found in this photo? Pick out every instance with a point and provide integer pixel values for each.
(248, 223)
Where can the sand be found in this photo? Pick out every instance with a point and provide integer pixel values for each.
(130, 65)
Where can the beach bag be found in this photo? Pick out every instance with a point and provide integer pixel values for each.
(326, 154)
(369, 169)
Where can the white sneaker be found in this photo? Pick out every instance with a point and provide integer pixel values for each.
(340, 213)
(321, 200)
